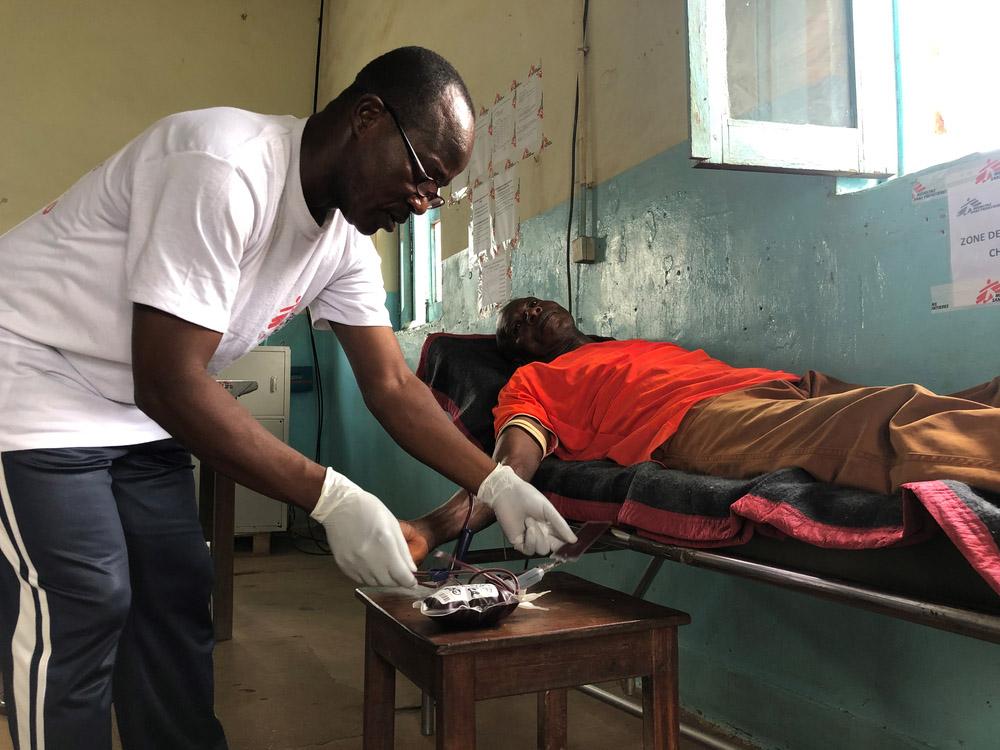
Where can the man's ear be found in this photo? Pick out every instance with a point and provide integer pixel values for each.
(368, 109)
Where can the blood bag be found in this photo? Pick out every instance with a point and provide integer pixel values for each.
(468, 605)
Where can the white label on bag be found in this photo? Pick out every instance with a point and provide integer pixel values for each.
(449, 594)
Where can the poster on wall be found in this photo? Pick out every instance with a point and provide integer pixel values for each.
(482, 225)
(529, 114)
(506, 196)
(494, 283)
(974, 237)
(482, 149)
(459, 187)
(965, 294)
(506, 133)
(932, 185)
(974, 230)
(502, 133)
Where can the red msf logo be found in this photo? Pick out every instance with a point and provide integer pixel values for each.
(989, 293)
(989, 172)
(282, 315)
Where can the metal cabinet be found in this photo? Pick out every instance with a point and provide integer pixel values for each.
(270, 366)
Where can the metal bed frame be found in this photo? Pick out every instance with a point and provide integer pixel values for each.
(968, 622)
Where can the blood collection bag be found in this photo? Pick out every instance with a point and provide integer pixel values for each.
(468, 605)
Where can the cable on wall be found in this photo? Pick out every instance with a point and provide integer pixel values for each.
(317, 376)
(572, 169)
(321, 546)
(319, 52)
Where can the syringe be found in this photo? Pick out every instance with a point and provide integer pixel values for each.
(533, 575)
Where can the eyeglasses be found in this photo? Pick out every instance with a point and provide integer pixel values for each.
(427, 186)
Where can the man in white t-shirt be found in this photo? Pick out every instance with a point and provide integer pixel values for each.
(119, 301)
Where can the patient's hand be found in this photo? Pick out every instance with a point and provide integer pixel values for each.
(418, 539)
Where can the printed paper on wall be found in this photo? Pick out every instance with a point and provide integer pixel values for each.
(503, 134)
(495, 282)
(974, 235)
(528, 125)
(482, 150)
(482, 225)
(459, 186)
(505, 207)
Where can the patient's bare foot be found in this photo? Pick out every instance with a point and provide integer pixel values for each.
(418, 539)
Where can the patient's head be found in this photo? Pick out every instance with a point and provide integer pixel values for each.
(530, 329)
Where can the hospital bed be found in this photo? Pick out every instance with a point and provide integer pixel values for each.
(927, 554)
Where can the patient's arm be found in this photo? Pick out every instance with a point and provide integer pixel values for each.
(516, 448)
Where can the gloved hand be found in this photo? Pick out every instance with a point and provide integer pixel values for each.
(527, 518)
(363, 534)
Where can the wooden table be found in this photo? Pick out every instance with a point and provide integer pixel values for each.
(589, 634)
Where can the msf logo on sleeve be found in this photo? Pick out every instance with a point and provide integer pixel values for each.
(280, 318)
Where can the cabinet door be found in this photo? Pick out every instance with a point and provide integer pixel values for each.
(269, 366)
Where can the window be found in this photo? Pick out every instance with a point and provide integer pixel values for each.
(946, 59)
(797, 85)
(420, 283)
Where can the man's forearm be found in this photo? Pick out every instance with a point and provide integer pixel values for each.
(515, 448)
(417, 423)
(235, 443)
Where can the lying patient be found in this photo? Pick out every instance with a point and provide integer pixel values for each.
(631, 401)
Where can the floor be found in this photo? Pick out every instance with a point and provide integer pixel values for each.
(291, 678)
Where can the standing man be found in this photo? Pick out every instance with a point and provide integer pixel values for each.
(119, 301)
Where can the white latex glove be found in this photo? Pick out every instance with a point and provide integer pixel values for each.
(364, 536)
(528, 519)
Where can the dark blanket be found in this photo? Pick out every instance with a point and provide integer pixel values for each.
(466, 373)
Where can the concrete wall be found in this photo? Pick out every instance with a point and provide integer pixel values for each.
(762, 269)
(494, 43)
(79, 79)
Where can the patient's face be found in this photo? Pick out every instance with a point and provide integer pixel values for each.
(532, 329)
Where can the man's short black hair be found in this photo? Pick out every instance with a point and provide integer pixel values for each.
(410, 80)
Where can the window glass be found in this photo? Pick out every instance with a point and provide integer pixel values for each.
(789, 61)
(420, 269)
(946, 55)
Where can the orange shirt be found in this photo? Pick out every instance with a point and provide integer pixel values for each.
(619, 399)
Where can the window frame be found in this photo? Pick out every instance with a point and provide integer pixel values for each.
(422, 261)
(867, 150)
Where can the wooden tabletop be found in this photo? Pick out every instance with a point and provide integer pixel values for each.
(575, 608)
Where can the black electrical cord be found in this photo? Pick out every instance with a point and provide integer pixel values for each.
(572, 186)
(572, 174)
(318, 380)
(320, 544)
(319, 51)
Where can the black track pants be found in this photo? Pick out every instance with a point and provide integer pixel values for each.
(105, 597)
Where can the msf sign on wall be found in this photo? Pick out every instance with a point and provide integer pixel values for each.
(974, 232)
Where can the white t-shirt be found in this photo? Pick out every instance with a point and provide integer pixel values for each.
(201, 216)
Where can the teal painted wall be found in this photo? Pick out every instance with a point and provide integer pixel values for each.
(760, 269)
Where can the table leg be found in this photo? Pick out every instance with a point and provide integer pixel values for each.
(379, 721)
(218, 516)
(552, 729)
(660, 703)
(456, 703)
(426, 714)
